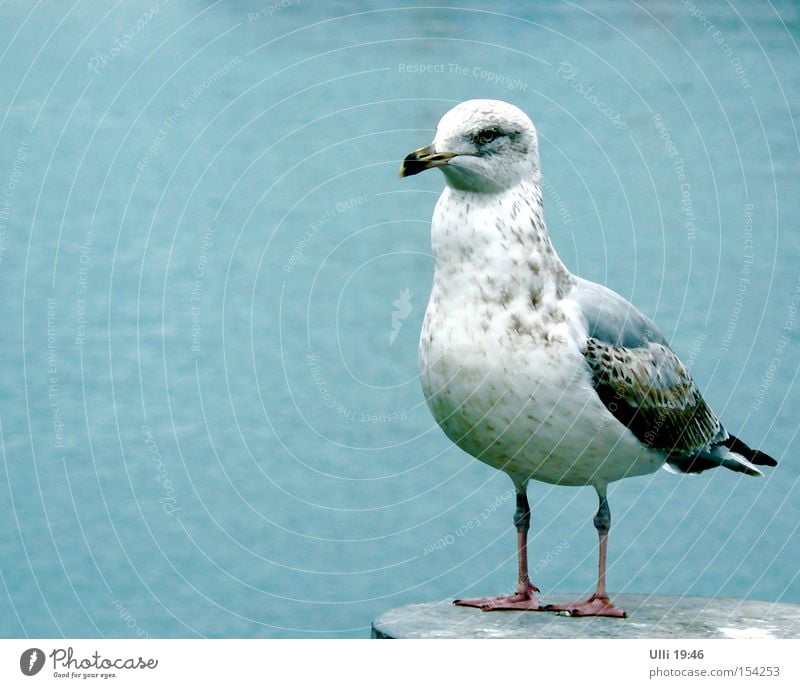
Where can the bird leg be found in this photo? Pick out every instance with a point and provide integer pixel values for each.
(525, 598)
(598, 604)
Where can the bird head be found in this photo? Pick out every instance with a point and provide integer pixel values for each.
(483, 146)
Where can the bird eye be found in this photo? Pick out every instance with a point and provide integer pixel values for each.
(485, 136)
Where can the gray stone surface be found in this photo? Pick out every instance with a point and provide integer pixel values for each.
(648, 617)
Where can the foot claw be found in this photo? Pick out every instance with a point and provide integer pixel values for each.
(502, 603)
(594, 606)
(524, 599)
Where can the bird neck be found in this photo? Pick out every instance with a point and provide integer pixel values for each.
(497, 243)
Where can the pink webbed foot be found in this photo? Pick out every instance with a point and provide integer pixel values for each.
(595, 606)
(525, 600)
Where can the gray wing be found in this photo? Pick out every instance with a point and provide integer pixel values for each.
(645, 386)
(639, 378)
(612, 319)
(651, 392)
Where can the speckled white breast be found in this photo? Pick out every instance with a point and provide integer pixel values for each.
(502, 369)
(527, 410)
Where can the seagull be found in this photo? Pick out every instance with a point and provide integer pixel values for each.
(533, 370)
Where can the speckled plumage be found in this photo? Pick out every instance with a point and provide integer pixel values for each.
(531, 369)
(501, 352)
(519, 358)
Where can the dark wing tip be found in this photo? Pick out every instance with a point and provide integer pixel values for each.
(761, 459)
(755, 456)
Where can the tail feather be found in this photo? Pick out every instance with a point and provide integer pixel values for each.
(730, 453)
(704, 461)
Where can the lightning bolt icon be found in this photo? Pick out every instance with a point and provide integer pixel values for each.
(32, 659)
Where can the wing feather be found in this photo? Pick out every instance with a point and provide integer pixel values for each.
(645, 387)
(651, 392)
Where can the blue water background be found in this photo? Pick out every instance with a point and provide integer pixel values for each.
(213, 283)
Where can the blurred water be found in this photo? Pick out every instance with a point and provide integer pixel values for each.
(214, 281)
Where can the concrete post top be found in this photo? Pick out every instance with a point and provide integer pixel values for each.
(648, 617)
